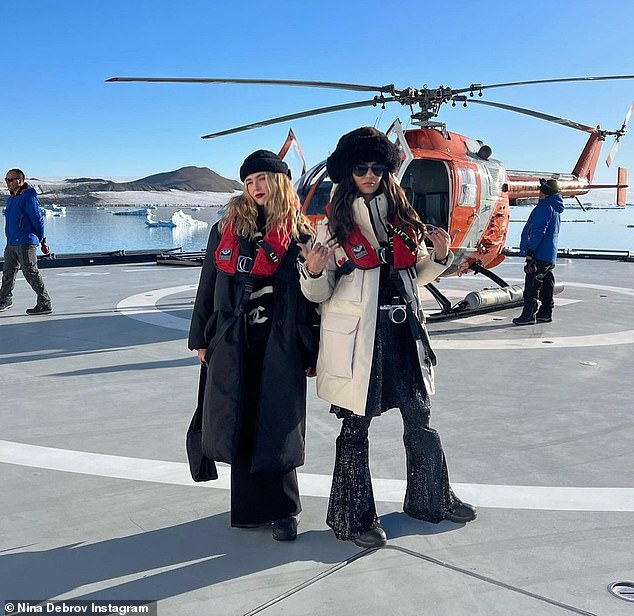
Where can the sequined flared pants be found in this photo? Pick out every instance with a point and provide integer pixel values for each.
(351, 510)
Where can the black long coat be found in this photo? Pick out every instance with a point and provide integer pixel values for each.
(218, 324)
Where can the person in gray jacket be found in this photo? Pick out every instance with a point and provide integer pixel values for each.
(364, 268)
(24, 227)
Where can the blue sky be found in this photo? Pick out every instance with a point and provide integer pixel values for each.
(61, 119)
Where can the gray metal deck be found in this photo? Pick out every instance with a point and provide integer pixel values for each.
(536, 423)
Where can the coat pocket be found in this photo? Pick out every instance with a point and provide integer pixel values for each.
(339, 336)
(350, 287)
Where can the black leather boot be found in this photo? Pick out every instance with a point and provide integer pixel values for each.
(286, 528)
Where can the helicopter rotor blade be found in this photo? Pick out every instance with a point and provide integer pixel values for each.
(612, 155)
(302, 114)
(477, 86)
(530, 112)
(619, 134)
(274, 82)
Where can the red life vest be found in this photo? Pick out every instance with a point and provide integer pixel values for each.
(401, 242)
(269, 252)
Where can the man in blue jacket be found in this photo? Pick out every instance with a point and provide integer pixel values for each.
(24, 227)
(539, 245)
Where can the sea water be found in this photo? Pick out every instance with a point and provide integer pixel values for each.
(600, 228)
(89, 229)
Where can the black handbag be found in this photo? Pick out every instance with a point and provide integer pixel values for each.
(201, 467)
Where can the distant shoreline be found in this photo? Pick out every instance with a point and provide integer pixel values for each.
(168, 198)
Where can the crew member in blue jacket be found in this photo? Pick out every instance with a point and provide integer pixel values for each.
(24, 227)
(539, 245)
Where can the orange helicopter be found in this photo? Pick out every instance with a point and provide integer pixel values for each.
(451, 180)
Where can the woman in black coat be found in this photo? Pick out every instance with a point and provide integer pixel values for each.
(257, 333)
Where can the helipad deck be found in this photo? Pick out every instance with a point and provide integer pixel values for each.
(536, 423)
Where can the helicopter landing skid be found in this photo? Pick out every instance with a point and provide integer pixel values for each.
(477, 302)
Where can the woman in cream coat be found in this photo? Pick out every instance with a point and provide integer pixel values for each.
(364, 268)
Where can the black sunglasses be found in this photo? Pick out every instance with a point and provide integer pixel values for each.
(7, 180)
(362, 168)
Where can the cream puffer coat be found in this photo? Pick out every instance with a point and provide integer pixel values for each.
(349, 312)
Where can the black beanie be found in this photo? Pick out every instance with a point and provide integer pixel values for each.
(362, 145)
(263, 160)
(549, 187)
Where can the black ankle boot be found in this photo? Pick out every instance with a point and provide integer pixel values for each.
(373, 538)
(285, 529)
(462, 513)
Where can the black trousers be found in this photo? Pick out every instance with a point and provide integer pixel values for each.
(540, 286)
(22, 257)
(351, 510)
(258, 498)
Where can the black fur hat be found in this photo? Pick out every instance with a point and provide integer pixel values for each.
(549, 187)
(362, 145)
(263, 160)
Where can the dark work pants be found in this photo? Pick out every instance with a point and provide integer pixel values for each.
(258, 498)
(22, 257)
(540, 286)
(351, 510)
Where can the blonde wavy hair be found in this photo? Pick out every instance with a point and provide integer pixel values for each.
(281, 208)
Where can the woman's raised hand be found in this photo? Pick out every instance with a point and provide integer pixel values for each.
(441, 241)
(316, 256)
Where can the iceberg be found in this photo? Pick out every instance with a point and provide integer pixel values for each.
(178, 219)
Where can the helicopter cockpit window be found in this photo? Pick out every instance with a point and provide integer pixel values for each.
(468, 187)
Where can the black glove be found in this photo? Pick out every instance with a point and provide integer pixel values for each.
(530, 267)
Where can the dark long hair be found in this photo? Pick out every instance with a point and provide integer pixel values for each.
(399, 209)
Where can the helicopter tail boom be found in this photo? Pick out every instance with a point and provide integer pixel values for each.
(587, 163)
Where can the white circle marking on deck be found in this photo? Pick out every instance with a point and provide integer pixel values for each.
(387, 490)
(142, 307)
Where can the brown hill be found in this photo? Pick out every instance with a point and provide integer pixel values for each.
(187, 178)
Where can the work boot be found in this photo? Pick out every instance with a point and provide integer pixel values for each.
(40, 309)
(528, 313)
(543, 317)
